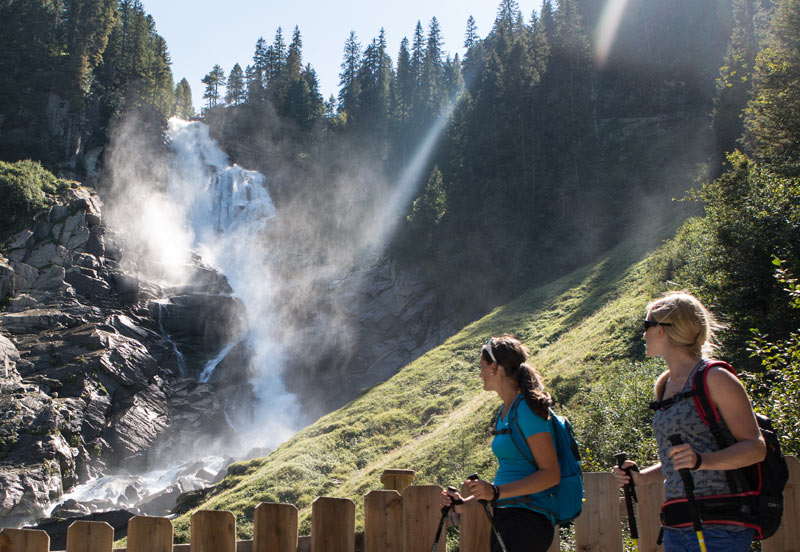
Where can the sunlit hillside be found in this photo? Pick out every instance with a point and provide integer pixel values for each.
(433, 416)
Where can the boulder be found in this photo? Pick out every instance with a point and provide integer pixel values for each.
(6, 278)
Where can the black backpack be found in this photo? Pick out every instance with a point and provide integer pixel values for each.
(756, 498)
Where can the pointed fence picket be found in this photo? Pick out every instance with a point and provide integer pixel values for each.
(393, 522)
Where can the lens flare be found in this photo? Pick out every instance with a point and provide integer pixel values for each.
(607, 29)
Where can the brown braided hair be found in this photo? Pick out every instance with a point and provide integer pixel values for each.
(511, 355)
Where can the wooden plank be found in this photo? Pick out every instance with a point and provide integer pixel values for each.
(247, 546)
(149, 534)
(304, 543)
(475, 528)
(275, 528)
(648, 520)
(598, 527)
(787, 538)
(333, 525)
(90, 536)
(213, 531)
(383, 522)
(421, 516)
(24, 540)
(397, 480)
(555, 546)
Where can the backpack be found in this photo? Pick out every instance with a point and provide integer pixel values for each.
(568, 494)
(756, 498)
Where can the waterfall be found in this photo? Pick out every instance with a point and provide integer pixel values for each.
(227, 209)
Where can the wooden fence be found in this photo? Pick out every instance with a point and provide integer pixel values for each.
(393, 522)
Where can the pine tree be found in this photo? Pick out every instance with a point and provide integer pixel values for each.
(276, 57)
(433, 90)
(772, 119)
(236, 86)
(736, 76)
(213, 81)
(349, 92)
(258, 76)
(471, 34)
(87, 24)
(405, 84)
(294, 58)
(183, 100)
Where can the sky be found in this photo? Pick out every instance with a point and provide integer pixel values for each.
(201, 33)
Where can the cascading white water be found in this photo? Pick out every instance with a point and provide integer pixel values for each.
(227, 208)
(220, 211)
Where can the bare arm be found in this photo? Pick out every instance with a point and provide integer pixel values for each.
(730, 398)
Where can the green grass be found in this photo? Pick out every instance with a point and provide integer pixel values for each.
(433, 417)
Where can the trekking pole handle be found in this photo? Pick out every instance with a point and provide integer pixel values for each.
(630, 496)
(686, 477)
(688, 484)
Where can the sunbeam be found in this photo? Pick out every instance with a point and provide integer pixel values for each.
(606, 30)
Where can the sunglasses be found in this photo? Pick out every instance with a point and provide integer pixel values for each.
(488, 349)
(651, 323)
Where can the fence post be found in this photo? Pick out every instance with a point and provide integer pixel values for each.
(421, 515)
(333, 525)
(149, 534)
(383, 522)
(90, 536)
(275, 528)
(648, 521)
(24, 540)
(475, 528)
(397, 480)
(213, 531)
(598, 526)
(787, 538)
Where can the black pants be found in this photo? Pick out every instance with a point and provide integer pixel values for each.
(522, 530)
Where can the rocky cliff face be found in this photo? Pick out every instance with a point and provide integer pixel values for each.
(98, 366)
(103, 371)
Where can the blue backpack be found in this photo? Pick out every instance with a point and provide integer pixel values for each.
(567, 496)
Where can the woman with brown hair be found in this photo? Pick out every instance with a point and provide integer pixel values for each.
(528, 526)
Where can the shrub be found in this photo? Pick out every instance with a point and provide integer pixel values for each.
(22, 191)
(614, 415)
(776, 390)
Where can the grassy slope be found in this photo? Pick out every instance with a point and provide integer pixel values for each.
(433, 416)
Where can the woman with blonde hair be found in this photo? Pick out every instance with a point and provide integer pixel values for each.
(679, 329)
(526, 526)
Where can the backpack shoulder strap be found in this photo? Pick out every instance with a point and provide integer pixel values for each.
(702, 401)
(710, 416)
(513, 421)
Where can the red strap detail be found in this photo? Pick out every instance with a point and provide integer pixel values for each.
(698, 404)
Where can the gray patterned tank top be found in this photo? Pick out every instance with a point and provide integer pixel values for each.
(682, 418)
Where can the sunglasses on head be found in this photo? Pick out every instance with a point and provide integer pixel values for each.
(651, 323)
(488, 349)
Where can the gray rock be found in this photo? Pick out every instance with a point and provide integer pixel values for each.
(58, 213)
(161, 504)
(74, 221)
(41, 255)
(17, 255)
(6, 279)
(77, 239)
(20, 240)
(51, 278)
(86, 285)
(24, 275)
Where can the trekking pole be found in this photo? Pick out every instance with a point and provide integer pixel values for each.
(485, 504)
(445, 510)
(688, 485)
(630, 496)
